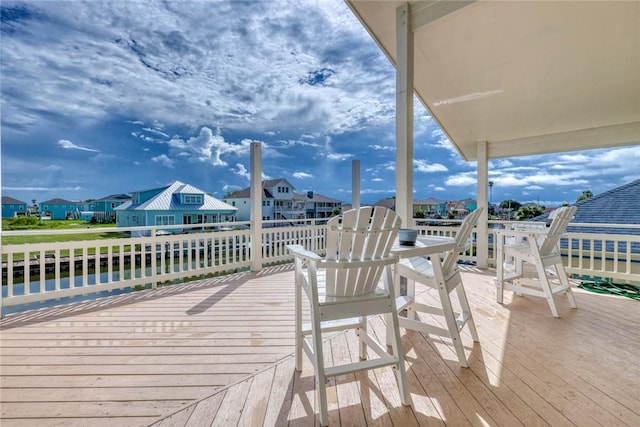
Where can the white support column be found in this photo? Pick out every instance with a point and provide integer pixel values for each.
(404, 116)
(255, 194)
(355, 184)
(482, 251)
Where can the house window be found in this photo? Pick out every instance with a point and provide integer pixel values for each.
(192, 199)
(165, 220)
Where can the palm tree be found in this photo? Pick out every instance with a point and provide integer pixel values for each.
(490, 192)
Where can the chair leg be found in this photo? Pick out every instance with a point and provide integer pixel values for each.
(499, 274)
(401, 373)
(298, 327)
(466, 309)
(362, 332)
(321, 379)
(452, 324)
(546, 288)
(564, 279)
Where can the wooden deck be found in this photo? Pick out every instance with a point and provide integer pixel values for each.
(218, 352)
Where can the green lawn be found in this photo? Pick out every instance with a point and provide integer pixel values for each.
(31, 223)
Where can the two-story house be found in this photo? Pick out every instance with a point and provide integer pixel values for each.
(13, 207)
(104, 209)
(61, 209)
(173, 204)
(319, 206)
(430, 207)
(279, 201)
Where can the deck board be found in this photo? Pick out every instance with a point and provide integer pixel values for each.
(219, 352)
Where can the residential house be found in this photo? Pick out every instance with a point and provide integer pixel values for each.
(319, 206)
(389, 203)
(460, 208)
(620, 205)
(280, 201)
(431, 207)
(13, 207)
(104, 209)
(61, 209)
(434, 207)
(173, 204)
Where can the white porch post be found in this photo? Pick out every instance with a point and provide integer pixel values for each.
(404, 116)
(482, 248)
(255, 194)
(355, 184)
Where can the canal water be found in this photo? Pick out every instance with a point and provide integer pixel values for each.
(65, 283)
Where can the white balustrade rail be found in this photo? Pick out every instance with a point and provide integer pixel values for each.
(38, 272)
(48, 271)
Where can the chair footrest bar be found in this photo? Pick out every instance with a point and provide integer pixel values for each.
(333, 325)
(416, 325)
(354, 367)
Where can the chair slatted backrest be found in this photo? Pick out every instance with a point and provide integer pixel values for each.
(462, 235)
(356, 243)
(557, 228)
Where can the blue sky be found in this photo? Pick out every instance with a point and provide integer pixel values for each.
(101, 98)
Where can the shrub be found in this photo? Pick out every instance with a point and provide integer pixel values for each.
(22, 222)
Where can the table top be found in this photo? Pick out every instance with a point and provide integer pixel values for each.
(425, 245)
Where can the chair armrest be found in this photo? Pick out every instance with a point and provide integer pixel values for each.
(300, 252)
(520, 233)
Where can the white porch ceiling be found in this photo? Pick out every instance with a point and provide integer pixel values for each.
(527, 77)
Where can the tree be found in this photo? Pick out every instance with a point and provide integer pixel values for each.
(419, 214)
(490, 192)
(510, 204)
(587, 194)
(528, 212)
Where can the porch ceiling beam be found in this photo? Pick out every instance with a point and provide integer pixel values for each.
(428, 11)
(583, 139)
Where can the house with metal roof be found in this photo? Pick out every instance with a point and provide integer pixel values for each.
(104, 209)
(173, 204)
(280, 201)
(13, 207)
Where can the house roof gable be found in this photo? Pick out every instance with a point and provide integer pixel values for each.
(7, 200)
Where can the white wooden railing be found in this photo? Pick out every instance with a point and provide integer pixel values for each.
(155, 258)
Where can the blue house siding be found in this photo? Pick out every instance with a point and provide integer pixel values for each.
(176, 204)
(11, 207)
(59, 208)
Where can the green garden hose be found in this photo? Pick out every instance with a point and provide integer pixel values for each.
(605, 286)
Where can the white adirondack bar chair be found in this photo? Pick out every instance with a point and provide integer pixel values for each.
(540, 248)
(441, 274)
(345, 287)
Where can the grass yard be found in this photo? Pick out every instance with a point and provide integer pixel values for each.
(32, 223)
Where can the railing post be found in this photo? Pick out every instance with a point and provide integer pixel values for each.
(256, 207)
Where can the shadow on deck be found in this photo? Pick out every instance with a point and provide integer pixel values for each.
(218, 352)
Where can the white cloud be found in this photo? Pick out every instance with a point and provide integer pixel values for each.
(163, 160)
(71, 146)
(302, 175)
(242, 171)
(462, 179)
(382, 147)
(184, 68)
(339, 156)
(426, 167)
